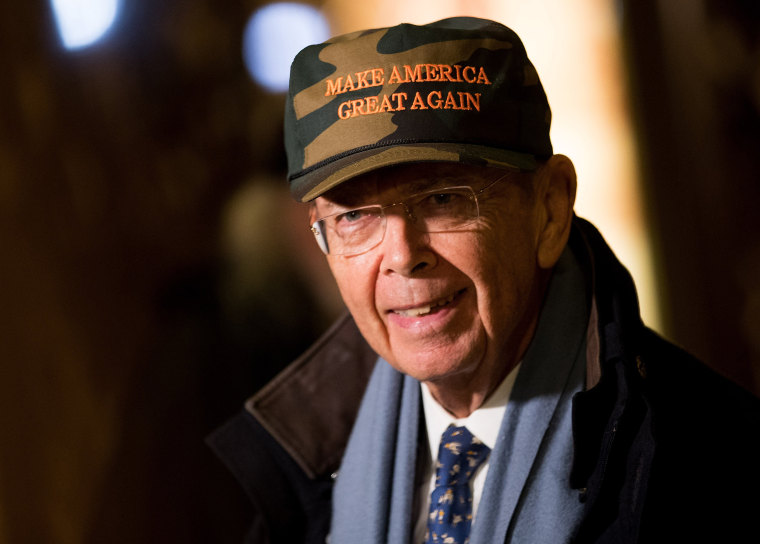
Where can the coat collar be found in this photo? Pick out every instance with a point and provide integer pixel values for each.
(310, 407)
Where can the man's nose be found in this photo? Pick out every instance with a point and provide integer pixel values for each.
(406, 249)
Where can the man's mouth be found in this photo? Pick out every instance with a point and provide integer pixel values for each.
(428, 308)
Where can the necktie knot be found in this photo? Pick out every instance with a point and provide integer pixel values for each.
(459, 456)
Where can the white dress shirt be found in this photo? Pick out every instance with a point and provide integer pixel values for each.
(483, 423)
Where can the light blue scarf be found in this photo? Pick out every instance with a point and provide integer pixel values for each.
(372, 499)
(527, 496)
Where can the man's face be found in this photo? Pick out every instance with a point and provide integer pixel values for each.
(443, 305)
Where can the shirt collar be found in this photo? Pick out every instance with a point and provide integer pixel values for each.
(483, 422)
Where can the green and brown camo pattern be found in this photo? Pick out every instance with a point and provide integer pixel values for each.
(460, 89)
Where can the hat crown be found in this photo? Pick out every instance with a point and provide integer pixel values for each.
(458, 90)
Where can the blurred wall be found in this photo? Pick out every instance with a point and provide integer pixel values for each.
(694, 71)
(139, 310)
(131, 322)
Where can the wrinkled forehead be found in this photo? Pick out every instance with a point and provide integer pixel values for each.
(401, 181)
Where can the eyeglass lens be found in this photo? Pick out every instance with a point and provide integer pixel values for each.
(360, 229)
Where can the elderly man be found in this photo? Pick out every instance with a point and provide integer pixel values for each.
(492, 381)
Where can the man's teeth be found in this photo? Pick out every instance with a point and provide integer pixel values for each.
(424, 310)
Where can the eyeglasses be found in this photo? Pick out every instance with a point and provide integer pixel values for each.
(358, 230)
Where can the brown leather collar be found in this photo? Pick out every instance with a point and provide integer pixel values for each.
(310, 407)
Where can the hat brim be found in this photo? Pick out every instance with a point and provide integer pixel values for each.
(313, 183)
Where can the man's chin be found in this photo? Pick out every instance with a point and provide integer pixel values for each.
(433, 367)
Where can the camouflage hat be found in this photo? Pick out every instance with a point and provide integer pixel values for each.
(457, 90)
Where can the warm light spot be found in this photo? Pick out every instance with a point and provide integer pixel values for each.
(274, 35)
(83, 22)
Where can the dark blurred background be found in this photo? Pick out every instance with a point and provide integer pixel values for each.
(155, 273)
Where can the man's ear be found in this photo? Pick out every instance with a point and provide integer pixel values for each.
(556, 197)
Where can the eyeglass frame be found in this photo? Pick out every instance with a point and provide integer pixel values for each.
(321, 237)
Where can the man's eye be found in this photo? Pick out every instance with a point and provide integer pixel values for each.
(444, 200)
(441, 199)
(351, 216)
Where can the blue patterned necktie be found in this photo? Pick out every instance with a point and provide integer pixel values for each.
(459, 456)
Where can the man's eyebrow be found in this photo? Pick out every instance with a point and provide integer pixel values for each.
(420, 185)
(329, 207)
(348, 197)
(325, 208)
(356, 196)
(432, 183)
